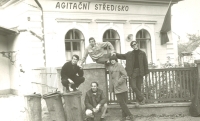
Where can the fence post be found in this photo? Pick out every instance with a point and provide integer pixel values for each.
(198, 79)
(198, 67)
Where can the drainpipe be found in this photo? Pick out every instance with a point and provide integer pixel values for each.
(42, 17)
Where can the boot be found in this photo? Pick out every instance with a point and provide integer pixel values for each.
(67, 90)
(137, 105)
(74, 87)
(131, 118)
(143, 101)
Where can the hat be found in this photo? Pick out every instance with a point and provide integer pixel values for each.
(113, 58)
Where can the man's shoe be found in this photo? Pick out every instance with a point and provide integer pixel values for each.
(74, 87)
(137, 105)
(103, 119)
(70, 87)
(143, 101)
(67, 91)
(131, 118)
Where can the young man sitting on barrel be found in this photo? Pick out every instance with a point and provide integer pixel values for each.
(95, 103)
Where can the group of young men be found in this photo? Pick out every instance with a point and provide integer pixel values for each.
(95, 100)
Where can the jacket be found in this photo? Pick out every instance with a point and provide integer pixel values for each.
(117, 80)
(97, 51)
(99, 99)
(68, 71)
(143, 63)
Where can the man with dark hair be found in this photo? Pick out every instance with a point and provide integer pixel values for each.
(95, 102)
(117, 85)
(97, 52)
(136, 68)
(69, 73)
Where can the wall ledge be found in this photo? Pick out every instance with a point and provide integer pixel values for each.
(93, 66)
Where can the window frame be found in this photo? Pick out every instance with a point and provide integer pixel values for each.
(145, 39)
(111, 39)
(72, 40)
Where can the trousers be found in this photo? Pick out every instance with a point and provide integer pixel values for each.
(136, 81)
(122, 99)
(76, 79)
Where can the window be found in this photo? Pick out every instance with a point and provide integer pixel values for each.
(112, 36)
(74, 43)
(144, 42)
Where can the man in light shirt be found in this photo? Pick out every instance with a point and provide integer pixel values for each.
(97, 51)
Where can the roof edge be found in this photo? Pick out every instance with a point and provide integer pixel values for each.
(8, 31)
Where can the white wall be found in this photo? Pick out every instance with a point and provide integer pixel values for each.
(4, 67)
(22, 60)
(16, 16)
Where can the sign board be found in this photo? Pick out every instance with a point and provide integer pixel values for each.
(70, 6)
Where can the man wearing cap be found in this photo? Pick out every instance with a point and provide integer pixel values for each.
(72, 74)
(97, 51)
(117, 85)
(136, 67)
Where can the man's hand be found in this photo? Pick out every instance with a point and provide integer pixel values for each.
(70, 81)
(89, 113)
(81, 66)
(95, 110)
(113, 54)
(98, 106)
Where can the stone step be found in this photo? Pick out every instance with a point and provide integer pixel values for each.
(148, 112)
(158, 118)
(153, 109)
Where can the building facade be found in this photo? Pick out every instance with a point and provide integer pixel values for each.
(50, 32)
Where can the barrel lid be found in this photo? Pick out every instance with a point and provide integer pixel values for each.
(73, 93)
(51, 94)
(33, 95)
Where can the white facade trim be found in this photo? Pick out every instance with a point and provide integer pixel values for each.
(59, 20)
(110, 21)
(142, 22)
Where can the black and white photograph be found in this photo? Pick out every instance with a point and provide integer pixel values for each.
(99, 60)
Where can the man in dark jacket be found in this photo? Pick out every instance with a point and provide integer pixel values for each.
(136, 67)
(95, 101)
(69, 73)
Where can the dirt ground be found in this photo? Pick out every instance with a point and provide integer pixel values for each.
(12, 108)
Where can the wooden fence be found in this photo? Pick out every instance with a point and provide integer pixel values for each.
(165, 85)
(160, 85)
